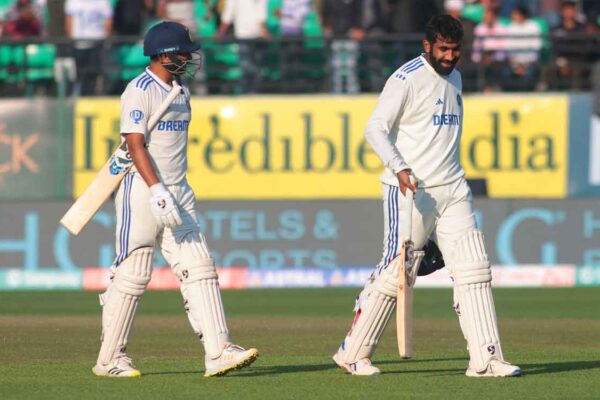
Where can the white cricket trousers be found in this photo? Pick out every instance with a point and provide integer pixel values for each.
(442, 213)
(137, 227)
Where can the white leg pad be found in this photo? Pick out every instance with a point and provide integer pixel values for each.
(474, 302)
(372, 316)
(202, 298)
(373, 309)
(120, 302)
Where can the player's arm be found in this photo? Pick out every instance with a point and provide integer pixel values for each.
(383, 120)
(136, 145)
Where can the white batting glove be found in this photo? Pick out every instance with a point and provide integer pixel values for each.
(163, 206)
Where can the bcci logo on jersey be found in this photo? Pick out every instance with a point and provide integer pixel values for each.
(136, 116)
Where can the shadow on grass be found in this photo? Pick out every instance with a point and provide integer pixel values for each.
(566, 366)
(421, 360)
(258, 370)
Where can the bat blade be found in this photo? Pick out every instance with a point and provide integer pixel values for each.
(94, 196)
(404, 308)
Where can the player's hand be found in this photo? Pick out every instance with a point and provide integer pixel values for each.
(163, 206)
(405, 182)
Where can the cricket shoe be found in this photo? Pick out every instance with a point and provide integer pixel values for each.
(121, 367)
(233, 357)
(496, 368)
(362, 367)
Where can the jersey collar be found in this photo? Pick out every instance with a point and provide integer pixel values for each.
(159, 81)
(428, 66)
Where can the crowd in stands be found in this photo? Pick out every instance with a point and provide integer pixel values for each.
(342, 46)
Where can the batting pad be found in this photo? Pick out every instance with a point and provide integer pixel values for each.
(474, 300)
(373, 311)
(202, 298)
(120, 302)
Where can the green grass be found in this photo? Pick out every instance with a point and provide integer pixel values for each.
(49, 342)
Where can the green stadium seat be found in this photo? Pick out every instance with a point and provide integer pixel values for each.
(132, 60)
(40, 61)
(222, 61)
(12, 63)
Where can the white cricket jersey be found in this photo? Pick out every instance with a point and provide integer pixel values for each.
(167, 142)
(417, 124)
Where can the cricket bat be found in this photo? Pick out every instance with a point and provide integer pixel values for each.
(108, 178)
(404, 305)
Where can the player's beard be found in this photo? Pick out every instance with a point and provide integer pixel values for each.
(439, 67)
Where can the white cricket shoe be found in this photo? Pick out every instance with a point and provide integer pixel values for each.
(496, 368)
(121, 367)
(362, 367)
(233, 357)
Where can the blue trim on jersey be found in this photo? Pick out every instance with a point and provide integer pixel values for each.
(125, 219)
(142, 80)
(414, 68)
(147, 83)
(410, 64)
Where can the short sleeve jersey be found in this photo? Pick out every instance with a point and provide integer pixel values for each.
(417, 124)
(167, 142)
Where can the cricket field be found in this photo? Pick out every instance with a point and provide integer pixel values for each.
(49, 342)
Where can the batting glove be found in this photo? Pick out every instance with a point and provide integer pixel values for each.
(163, 206)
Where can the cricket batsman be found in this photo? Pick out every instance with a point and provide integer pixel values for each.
(415, 130)
(155, 208)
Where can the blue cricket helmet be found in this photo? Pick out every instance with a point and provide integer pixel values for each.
(169, 37)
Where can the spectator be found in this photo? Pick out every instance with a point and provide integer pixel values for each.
(23, 19)
(88, 23)
(568, 45)
(130, 16)
(182, 11)
(523, 46)
(248, 19)
(342, 22)
(376, 24)
(292, 15)
(409, 16)
(489, 48)
(56, 18)
(454, 8)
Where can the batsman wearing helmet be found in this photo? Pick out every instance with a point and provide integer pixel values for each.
(155, 208)
(415, 130)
